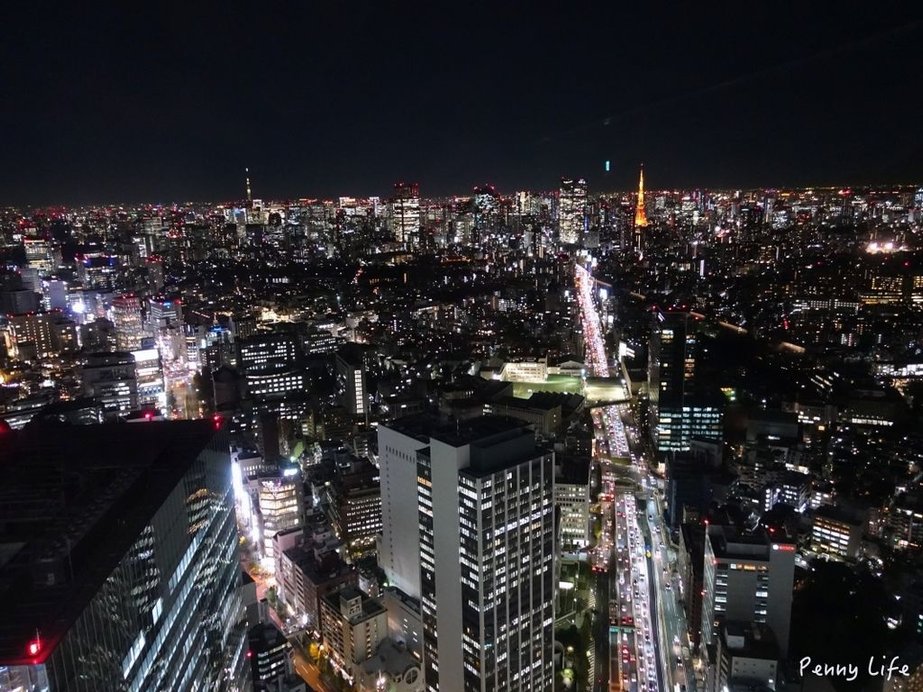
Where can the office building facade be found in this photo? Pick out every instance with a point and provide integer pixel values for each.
(747, 578)
(111, 379)
(486, 524)
(134, 584)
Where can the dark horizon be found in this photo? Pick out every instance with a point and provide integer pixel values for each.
(173, 102)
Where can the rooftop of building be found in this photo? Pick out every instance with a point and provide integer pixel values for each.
(73, 501)
(536, 402)
(391, 658)
(841, 514)
(352, 354)
(749, 640)
(265, 636)
(728, 542)
(320, 566)
(370, 606)
(572, 469)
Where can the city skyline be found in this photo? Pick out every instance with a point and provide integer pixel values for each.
(177, 102)
(371, 347)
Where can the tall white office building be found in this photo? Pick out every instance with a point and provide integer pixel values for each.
(475, 546)
(399, 548)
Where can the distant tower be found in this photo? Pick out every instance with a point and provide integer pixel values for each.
(249, 192)
(640, 211)
(405, 213)
(572, 210)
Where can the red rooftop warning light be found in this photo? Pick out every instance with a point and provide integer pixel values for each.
(35, 646)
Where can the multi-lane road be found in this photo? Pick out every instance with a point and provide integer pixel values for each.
(633, 558)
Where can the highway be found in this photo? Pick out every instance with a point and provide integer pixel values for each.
(647, 628)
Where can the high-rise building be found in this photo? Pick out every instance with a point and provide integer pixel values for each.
(747, 578)
(405, 213)
(354, 505)
(679, 410)
(306, 574)
(39, 255)
(127, 570)
(149, 375)
(126, 316)
(486, 524)
(837, 533)
(486, 211)
(747, 657)
(272, 366)
(32, 335)
(572, 498)
(350, 365)
(280, 499)
(468, 534)
(165, 323)
(399, 547)
(97, 336)
(572, 210)
(110, 378)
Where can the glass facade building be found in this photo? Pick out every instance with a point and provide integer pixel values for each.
(141, 591)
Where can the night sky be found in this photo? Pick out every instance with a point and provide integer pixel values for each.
(165, 102)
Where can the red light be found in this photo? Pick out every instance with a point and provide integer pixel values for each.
(34, 647)
(148, 415)
(249, 654)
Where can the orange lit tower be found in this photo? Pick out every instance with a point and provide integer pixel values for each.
(640, 211)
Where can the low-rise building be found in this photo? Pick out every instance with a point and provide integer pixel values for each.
(392, 668)
(747, 659)
(306, 575)
(572, 498)
(353, 625)
(836, 533)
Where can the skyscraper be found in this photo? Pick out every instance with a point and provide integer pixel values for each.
(32, 335)
(679, 409)
(486, 522)
(405, 213)
(571, 210)
(126, 571)
(486, 211)
(126, 316)
(399, 547)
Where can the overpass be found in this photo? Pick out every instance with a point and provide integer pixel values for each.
(600, 390)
